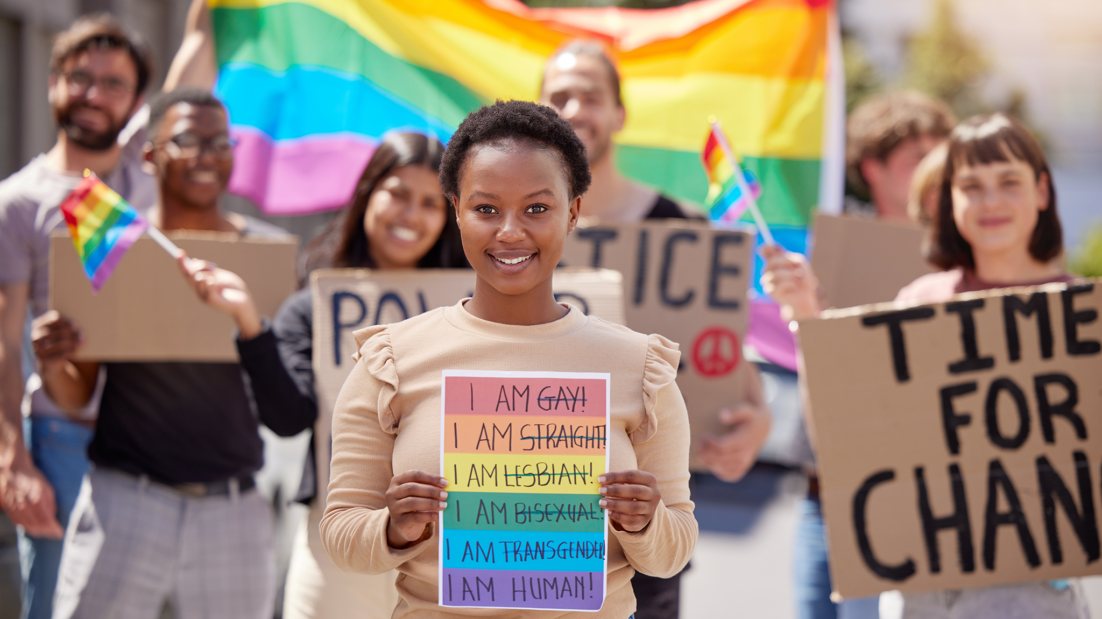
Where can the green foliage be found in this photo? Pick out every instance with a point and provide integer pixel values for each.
(862, 79)
(1087, 258)
(945, 62)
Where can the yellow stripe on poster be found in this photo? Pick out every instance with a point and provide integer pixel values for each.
(523, 474)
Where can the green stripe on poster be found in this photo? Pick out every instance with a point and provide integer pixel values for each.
(496, 511)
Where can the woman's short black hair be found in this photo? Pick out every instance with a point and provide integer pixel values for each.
(516, 120)
(982, 140)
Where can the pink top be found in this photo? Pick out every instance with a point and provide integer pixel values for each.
(938, 287)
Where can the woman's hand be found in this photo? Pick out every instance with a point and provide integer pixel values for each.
(788, 279)
(631, 498)
(224, 291)
(414, 500)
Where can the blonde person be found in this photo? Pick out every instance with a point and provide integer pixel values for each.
(926, 186)
(515, 172)
(397, 219)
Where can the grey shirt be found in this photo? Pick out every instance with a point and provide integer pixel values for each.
(29, 213)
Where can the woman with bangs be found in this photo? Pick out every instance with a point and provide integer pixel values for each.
(995, 226)
(398, 218)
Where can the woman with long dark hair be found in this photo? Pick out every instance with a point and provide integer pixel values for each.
(398, 218)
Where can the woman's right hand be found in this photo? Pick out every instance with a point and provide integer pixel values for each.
(789, 280)
(414, 500)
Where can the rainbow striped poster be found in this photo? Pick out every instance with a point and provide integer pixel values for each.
(523, 527)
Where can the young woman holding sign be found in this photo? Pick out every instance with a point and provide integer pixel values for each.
(398, 219)
(515, 172)
(995, 226)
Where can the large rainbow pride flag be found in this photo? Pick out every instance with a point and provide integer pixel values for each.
(312, 85)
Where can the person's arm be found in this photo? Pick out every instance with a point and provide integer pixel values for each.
(374, 521)
(279, 362)
(788, 278)
(25, 494)
(285, 405)
(70, 384)
(664, 545)
(730, 455)
(195, 64)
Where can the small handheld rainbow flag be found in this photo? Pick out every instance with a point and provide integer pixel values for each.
(103, 226)
(726, 200)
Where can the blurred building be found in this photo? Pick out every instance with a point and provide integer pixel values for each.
(1051, 52)
(26, 30)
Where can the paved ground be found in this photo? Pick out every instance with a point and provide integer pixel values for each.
(743, 563)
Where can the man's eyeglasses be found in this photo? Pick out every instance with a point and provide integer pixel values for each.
(190, 146)
(113, 87)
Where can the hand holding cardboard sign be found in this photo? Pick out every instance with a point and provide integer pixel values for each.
(788, 279)
(54, 338)
(414, 499)
(223, 290)
(631, 498)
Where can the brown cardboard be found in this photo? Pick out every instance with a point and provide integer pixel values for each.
(871, 418)
(862, 261)
(147, 311)
(689, 283)
(349, 299)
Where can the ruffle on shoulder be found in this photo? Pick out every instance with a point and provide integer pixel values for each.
(377, 355)
(659, 371)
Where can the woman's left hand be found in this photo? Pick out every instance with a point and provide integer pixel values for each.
(223, 290)
(631, 498)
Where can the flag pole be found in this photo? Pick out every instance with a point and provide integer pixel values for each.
(759, 220)
(163, 241)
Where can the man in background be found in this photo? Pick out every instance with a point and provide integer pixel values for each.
(886, 138)
(582, 83)
(170, 512)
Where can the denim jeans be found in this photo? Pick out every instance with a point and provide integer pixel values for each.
(812, 576)
(59, 448)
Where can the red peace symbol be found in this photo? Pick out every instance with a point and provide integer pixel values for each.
(716, 352)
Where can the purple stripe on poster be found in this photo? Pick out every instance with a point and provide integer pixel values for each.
(523, 589)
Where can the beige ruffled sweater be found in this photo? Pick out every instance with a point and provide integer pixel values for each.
(387, 420)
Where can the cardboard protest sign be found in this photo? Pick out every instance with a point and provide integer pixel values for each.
(959, 444)
(523, 527)
(147, 311)
(349, 299)
(863, 261)
(689, 283)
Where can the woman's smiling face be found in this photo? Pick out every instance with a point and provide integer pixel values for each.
(405, 216)
(514, 212)
(996, 205)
